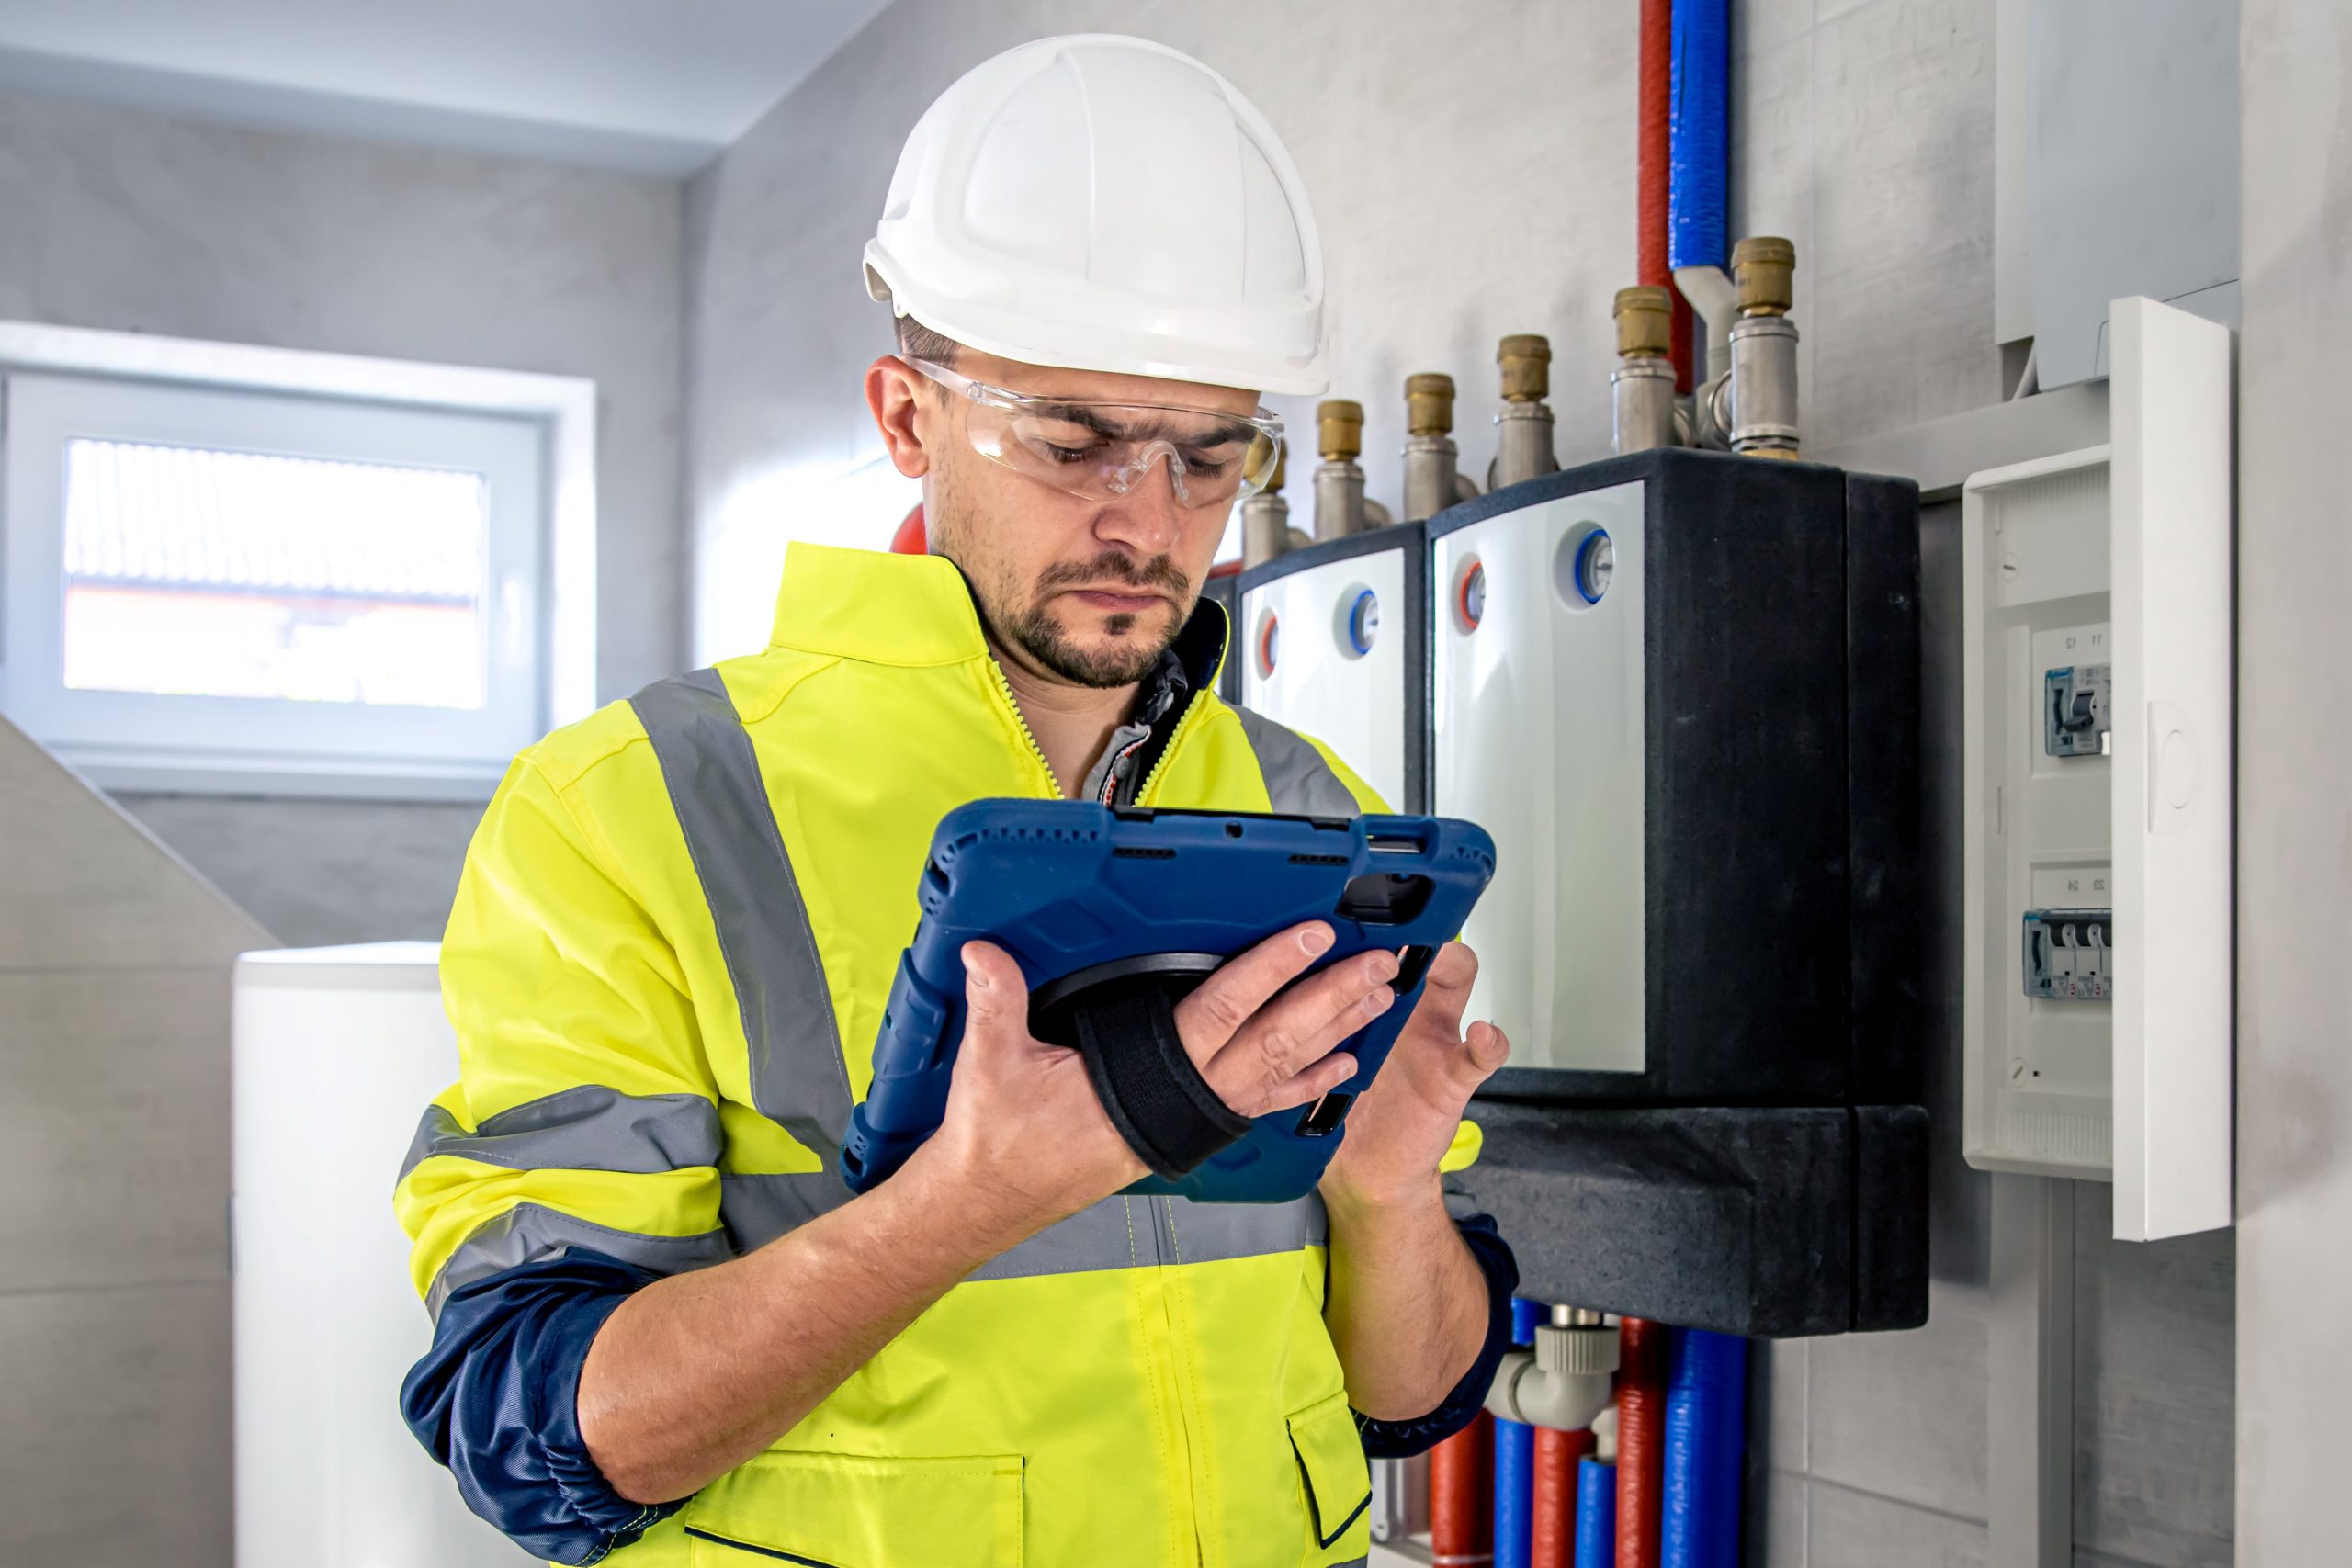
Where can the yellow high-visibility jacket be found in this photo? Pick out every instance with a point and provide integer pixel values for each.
(668, 958)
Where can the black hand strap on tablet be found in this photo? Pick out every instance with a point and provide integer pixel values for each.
(1155, 1098)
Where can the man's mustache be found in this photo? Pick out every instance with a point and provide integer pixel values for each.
(1159, 572)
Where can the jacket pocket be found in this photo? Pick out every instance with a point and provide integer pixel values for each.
(1337, 1481)
(852, 1511)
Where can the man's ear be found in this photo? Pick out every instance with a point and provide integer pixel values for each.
(894, 391)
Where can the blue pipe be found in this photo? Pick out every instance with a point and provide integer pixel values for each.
(1596, 1514)
(1706, 1415)
(1515, 1458)
(1699, 136)
(1514, 1495)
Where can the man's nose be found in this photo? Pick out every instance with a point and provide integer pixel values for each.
(1148, 515)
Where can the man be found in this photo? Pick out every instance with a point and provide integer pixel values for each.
(665, 1327)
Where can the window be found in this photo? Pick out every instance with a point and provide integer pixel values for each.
(222, 587)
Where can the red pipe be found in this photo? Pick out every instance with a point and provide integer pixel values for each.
(1552, 1540)
(910, 539)
(1657, 76)
(1641, 1439)
(1461, 1493)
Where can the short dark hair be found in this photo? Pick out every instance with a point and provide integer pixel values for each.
(919, 342)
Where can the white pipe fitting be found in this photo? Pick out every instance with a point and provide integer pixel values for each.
(1562, 1383)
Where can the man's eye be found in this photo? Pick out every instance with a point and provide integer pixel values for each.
(1060, 453)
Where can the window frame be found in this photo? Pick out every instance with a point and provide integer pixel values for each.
(54, 377)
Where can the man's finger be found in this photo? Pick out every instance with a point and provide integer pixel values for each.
(1446, 993)
(1216, 1012)
(1307, 1021)
(996, 997)
(1306, 1087)
(1486, 1048)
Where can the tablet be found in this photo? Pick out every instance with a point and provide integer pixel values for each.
(1115, 913)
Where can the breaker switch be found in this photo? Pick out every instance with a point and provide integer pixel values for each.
(2074, 710)
(2070, 954)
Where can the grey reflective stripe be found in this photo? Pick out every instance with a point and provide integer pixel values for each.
(758, 1209)
(1208, 1233)
(1299, 781)
(587, 1128)
(1114, 1234)
(1125, 1233)
(797, 1075)
(527, 1234)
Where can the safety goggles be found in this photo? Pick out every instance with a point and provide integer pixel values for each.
(1105, 450)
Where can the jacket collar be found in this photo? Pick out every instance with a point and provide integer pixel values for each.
(880, 609)
(917, 610)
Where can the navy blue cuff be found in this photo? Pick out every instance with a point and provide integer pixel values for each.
(1402, 1439)
(496, 1399)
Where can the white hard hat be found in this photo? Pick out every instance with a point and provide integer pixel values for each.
(1105, 203)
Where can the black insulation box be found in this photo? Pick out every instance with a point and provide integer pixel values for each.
(1766, 1172)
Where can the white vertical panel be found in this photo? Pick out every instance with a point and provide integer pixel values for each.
(1537, 731)
(2174, 737)
(1319, 685)
(337, 1052)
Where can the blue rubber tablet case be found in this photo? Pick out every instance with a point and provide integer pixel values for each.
(1115, 913)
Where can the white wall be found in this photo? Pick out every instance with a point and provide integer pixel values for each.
(2294, 1286)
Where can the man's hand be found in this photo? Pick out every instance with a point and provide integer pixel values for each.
(1401, 1128)
(1025, 1133)
(1408, 1302)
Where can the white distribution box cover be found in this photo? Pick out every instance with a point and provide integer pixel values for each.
(336, 1052)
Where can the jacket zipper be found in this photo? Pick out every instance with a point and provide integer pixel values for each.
(1175, 738)
(1036, 752)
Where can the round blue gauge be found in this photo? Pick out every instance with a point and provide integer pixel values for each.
(1595, 564)
(1363, 622)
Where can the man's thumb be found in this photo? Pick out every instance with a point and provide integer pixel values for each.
(996, 996)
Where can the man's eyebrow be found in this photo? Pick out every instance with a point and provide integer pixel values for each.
(1090, 417)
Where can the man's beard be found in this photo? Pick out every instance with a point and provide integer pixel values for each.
(1128, 658)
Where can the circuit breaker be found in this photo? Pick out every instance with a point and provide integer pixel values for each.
(2076, 711)
(2097, 787)
(1681, 690)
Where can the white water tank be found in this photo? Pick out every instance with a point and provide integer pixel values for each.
(337, 1050)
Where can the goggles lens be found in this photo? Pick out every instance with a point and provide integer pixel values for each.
(1103, 451)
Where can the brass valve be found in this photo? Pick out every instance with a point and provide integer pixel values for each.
(1762, 267)
(1340, 430)
(1429, 404)
(1526, 359)
(1645, 321)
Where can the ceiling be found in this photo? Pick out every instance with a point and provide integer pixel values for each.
(656, 85)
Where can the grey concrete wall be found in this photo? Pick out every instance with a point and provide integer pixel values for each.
(321, 873)
(2294, 1286)
(114, 1182)
(146, 223)
(1472, 172)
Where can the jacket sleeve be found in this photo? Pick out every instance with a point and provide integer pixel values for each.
(573, 1161)
(1402, 1439)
